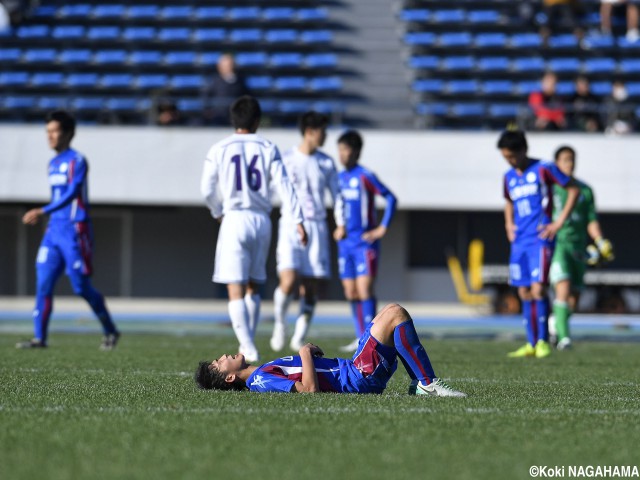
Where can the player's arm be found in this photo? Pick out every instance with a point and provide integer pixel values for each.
(208, 187)
(389, 211)
(509, 224)
(309, 383)
(333, 185)
(287, 193)
(604, 246)
(573, 192)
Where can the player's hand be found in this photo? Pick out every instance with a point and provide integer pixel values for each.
(375, 234)
(605, 248)
(593, 255)
(32, 216)
(302, 234)
(315, 350)
(511, 231)
(219, 219)
(548, 232)
(339, 233)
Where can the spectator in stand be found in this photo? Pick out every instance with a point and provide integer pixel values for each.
(547, 106)
(167, 114)
(619, 114)
(222, 91)
(606, 6)
(561, 14)
(585, 107)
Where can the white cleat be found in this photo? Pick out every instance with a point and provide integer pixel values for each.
(438, 388)
(251, 356)
(352, 347)
(296, 344)
(278, 338)
(564, 344)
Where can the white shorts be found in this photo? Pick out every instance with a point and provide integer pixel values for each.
(310, 261)
(242, 249)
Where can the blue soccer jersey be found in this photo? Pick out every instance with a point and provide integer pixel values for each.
(531, 193)
(68, 179)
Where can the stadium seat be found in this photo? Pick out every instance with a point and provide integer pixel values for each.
(594, 66)
(209, 58)
(152, 81)
(420, 15)
(139, 34)
(483, 17)
(294, 106)
(13, 79)
(601, 89)
(176, 12)
(180, 58)
(110, 57)
(209, 35)
(564, 65)
(87, 103)
(81, 80)
(529, 65)
(438, 109)
(245, 35)
(143, 12)
(103, 33)
(75, 57)
(244, 13)
(498, 87)
(52, 103)
(467, 110)
(325, 84)
(425, 62)
(448, 16)
(33, 32)
(116, 80)
(504, 110)
(491, 40)
(79, 11)
(458, 39)
(426, 39)
(316, 37)
(19, 102)
(277, 14)
(46, 79)
(563, 41)
(290, 84)
(281, 36)
(259, 83)
(328, 107)
(526, 41)
(286, 59)
(598, 42)
(311, 15)
(493, 64)
(68, 32)
(10, 55)
(565, 88)
(627, 45)
(127, 104)
(527, 87)
(633, 89)
(108, 11)
(40, 55)
(251, 59)
(629, 65)
(190, 105)
(462, 87)
(458, 64)
(321, 60)
(174, 34)
(210, 13)
(45, 11)
(431, 85)
(145, 57)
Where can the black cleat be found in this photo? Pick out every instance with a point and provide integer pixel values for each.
(33, 343)
(109, 341)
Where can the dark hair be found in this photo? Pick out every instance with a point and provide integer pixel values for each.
(65, 119)
(245, 113)
(352, 139)
(208, 377)
(313, 120)
(564, 148)
(513, 140)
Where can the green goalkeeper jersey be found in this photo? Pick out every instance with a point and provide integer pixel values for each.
(574, 231)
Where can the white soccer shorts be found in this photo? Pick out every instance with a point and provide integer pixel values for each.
(314, 260)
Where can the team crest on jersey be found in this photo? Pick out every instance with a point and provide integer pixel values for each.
(353, 183)
(64, 167)
(258, 381)
(512, 182)
(531, 177)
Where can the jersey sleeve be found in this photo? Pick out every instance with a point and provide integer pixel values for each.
(78, 169)
(592, 215)
(263, 382)
(505, 189)
(382, 190)
(552, 174)
(336, 196)
(285, 190)
(209, 183)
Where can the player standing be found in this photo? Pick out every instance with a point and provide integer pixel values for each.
(359, 240)
(531, 231)
(68, 241)
(569, 258)
(238, 174)
(312, 173)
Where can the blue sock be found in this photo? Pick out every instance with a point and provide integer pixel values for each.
(41, 316)
(83, 287)
(358, 323)
(542, 314)
(529, 322)
(368, 310)
(414, 356)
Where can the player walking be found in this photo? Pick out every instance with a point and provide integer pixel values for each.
(312, 173)
(68, 241)
(238, 174)
(569, 258)
(531, 231)
(359, 240)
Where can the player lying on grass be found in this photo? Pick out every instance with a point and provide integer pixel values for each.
(390, 334)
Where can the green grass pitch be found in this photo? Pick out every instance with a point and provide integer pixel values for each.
(73, 412)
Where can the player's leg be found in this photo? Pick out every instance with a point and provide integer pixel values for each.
(519, 277)
(367, 268)
(539, 280)
(393, 326)
(287, 264)
(252, 300)
(239, 315)
(308, 300)
(347, 272)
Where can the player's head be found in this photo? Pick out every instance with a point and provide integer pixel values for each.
(61, 127)
(313, 127)
(349, 148)
(513, 146)
(565, 158)
(221, 374)
(246, 113)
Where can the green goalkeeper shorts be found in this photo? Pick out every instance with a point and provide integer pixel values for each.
(568, 263)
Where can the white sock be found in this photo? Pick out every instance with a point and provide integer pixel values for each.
(253, 308)
(303, 321)
(280, 306)
(240, 323)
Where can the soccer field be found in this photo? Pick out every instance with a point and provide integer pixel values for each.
(75, 412)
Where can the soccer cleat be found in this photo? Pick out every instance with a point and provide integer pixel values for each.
(33, 343)
(295, 344)
(278, 338)
(438, 388)
(564, 344)
(109, 341)
(413, 386)
(525, 351)
(352, 347)
(543, 349)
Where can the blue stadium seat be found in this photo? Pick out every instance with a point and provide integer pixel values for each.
(564, 65)
(145, 57)
(244, 13)
(448, 16)
(110, 33)
(251, 59)
(75, 57)
(75, 11)
(46, 79)
(633, 89)
(493, 64)
(190, 105)
(281, 36)
(276, 14)
(180, 58)
(491, 40)
(415, 15)
(565, 88)
(143, 12)
(426, 62)
(457, 39)
(245, 35)
(209, 58)
(498, 87)
(33, 31)
(458, 64)
(598, 41)
(286, 59)
(316, 37)
(152, 81)
(14, 79)
(321, 60)
(563, 41)
(629, 65)
(468, 110)
(187, 82)
(294, 106)
(600, 65)
(45, 11)
(110, 57)
(82, 80)
(312, 15)
(529, 65)
(289, 84)
(328, 107)
(527, 87)
(68, 32)
(176, 12)
(210, 13)
(127, 104)
(19, 102)
(526, 40)
(139, 34)
(325, 84)
(174, 34)
(40, 55)
(426, 39)
(601, 89)
(437, 109)
(52, 103)
(10, 55)
(627, 45)
(262, 82)
(483, 17)
(87, 103)
(504, 110)
(116, 80)
(462, 87)
(210, 35)
(431, 85)
(109, 11)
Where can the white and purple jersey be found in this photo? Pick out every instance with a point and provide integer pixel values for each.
(531, 193)
(238, 174)
(69, 193)
(359, 187)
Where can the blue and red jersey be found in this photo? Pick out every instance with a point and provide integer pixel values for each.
(68, 179)
(359, 187)
(531, 193)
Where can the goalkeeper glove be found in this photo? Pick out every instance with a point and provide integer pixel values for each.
(605, 248)
(593, 255)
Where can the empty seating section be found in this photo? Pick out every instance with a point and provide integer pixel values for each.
(474, 62)
(105, 59)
